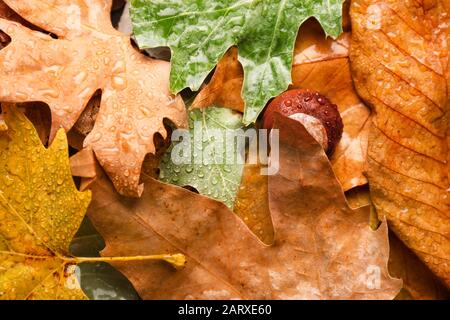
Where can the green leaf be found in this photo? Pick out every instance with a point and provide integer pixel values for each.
(208, 157)
(199, 32)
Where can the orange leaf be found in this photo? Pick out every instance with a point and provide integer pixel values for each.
(399, 57)
(89, 55)
(252, 203)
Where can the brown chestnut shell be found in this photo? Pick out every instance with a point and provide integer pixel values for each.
(311, 103)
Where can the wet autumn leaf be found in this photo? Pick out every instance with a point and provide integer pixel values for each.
(252, 203)
(90, 55)
(225, 86)
(320, 64)
(399, 59)
(322, 249)
(40, 212)
(419, 283)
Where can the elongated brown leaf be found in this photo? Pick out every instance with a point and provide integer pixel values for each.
(90, 55)
(252, 203)
(399, 57)
(322, 248)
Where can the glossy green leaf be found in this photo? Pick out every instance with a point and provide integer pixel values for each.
(207, 157)
(200, 32)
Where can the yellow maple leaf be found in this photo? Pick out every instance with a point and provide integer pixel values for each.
(40, 212)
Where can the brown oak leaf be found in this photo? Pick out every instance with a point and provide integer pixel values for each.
(399, 56)
(322, 249)
(90, 55)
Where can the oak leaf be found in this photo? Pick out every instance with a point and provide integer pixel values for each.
(320, 64)
(322, 248)
(399, 60)
(89, 55)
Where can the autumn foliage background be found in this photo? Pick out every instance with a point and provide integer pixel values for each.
(85, 127)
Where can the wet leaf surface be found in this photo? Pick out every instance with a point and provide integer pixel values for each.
(40, 212)
(90, 55)
(322, 248)
(200, 32)
(399, 62)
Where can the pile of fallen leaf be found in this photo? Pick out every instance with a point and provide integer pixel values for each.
(92, 206)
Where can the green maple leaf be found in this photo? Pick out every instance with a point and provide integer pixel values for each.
(199, 33)
(214, 162)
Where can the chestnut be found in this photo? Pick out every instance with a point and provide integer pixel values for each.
(315, 111)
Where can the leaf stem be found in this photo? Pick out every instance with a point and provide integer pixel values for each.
(177, 260)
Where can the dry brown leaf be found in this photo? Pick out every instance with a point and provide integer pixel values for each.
(89, 55)
(83, 164)
(252, 203)
(358, 197)
(7, 13)
(399, 58)
(225, 86)
(322, 248)
(320, 64)
(418, 281)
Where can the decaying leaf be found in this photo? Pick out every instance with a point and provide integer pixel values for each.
(419, 283)
(319, 64)
(252, 203)
(90, 55)
(40, 212)
(399, 58)
(322, 249)
(208, 157)
(225, 86)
